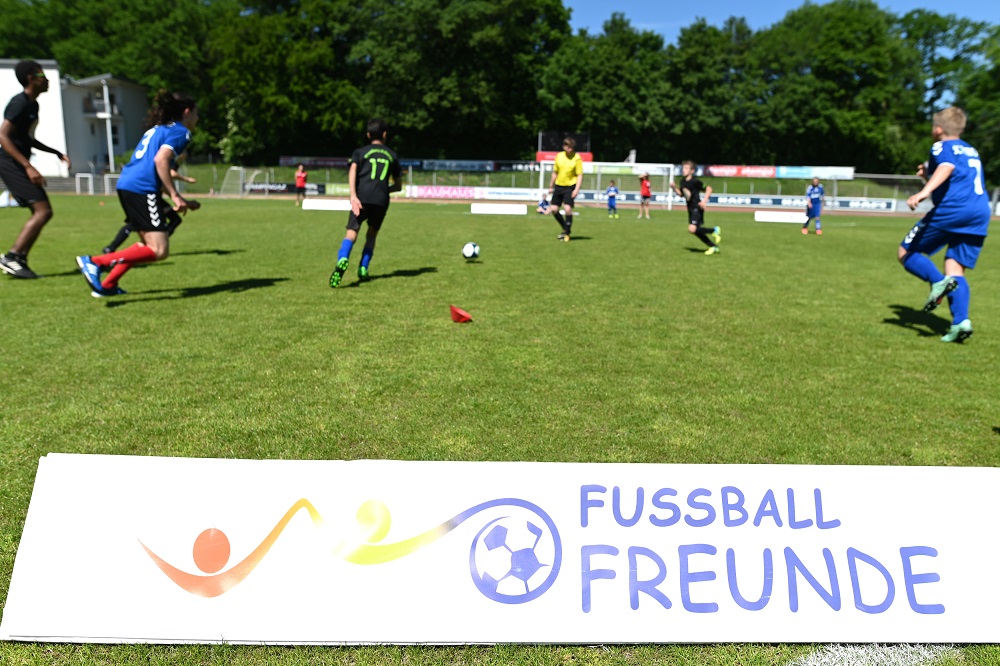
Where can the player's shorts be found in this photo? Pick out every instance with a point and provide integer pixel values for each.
(15, 177)
(373, 214)
(300, 190)
(696, 216)
(144, 212)
(646, 199)
(613, 203)
(562, 195)
(814, 210)
(926, 239)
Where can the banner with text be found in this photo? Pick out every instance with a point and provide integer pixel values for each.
(145, 549)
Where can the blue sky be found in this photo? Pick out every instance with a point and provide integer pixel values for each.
(667, 18)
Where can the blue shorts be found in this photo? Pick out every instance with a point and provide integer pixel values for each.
(925, 239)
(815, 209)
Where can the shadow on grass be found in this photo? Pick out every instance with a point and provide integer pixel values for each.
(697, 250)
(408, 272)
(218, 253)
(918, 320)
(237, 286)
(996, 429)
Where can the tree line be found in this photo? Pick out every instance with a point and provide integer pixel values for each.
(843, 83)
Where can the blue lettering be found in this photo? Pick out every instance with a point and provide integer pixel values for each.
(820, 523)
(768, 507)
(795, 524)
(635, 586)
(853, 555)
(793, 563)
(587, 503)
(765, 594)
(688, 577)
(616, 501)
(707, 508)
(737, 506)
(588, 574)
(910, 579)
(660, 503)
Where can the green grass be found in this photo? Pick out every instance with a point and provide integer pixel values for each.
(626, 345)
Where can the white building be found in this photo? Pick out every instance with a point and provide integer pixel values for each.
(91, 119)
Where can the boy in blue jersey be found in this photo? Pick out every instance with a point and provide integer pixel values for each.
(173, 117)
(960, 218)
(612, 194)
(372, 167)
(814, 193)
(543, 205)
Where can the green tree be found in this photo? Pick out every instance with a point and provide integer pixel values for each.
(611, 85)
(979, 96)
(839, 86)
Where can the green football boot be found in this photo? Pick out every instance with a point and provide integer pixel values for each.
(338, 272)
(959, 332)
(939, 290)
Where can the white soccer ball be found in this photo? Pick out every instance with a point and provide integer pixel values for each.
(470, 251)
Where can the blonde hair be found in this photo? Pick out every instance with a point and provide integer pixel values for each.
(951, 120)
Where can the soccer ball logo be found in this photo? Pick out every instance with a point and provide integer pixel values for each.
(515, 558)
(470, 251)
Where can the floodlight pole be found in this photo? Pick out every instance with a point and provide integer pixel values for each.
(107, 126)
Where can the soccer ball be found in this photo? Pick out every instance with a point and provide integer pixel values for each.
(470, 251)
(514, 559)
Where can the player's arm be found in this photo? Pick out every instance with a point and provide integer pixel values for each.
(396, 176)
(7, 143)
(941, 173)
(38, 145)
(352, 185)
(162, 160)
(704, 200)
(579, 178)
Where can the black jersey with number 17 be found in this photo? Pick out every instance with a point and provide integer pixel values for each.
(376, 164)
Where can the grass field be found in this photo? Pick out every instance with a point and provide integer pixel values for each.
(626, 345)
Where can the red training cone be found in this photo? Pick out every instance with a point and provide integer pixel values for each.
(459, 315)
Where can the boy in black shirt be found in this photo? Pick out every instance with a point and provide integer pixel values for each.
(691, 189)
(23, 181)
(372, 167)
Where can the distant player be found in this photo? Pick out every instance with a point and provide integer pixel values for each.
(645, 195)
(543, 205)
(960, 219)
(25, 184)
(612, 194)
(372, 168)
(814, 193)
(301, 176)
(173, 117)
(691, 188)
(567, 176)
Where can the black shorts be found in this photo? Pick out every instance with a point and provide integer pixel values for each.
(144, 212)
(300, 190)
(15, 177)
(696, 216)
(562, 195)
(373, 214)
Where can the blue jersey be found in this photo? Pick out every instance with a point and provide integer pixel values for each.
(815, 194)
(139, 175)
(961, 203)
(611, 192)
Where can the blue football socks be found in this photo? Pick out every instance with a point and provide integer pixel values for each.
(922, 266)
(958, 300)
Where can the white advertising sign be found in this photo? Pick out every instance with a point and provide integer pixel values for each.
(164, 550)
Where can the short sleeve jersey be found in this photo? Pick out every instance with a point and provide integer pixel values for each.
(815, 194)
(139, 175)
(611, 192)
(22, 112)
(300, 178)
(568, 169)
(696, 187)
(961, 203)
(376, 164)
(644, 189)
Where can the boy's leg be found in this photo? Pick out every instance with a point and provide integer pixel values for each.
(375, 218)
(120, 237)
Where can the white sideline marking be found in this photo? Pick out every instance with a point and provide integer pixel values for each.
(779, 216)
(499, 209)
(876, 655)
(326, 204)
